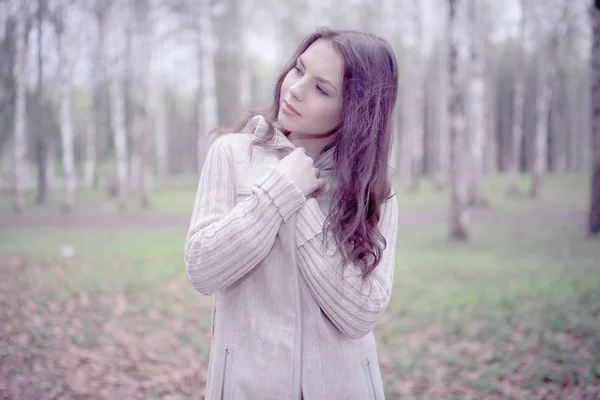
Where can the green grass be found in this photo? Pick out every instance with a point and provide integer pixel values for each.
(568, 190)
(504, 262)
(109, 259)
(521, 298)
(177, 197)
(175, 200)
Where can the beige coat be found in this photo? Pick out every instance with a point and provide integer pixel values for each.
(286, 318)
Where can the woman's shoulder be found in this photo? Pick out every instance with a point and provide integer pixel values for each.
(254, 129)
(232, 142)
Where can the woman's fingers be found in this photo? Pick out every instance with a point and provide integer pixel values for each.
(320, 183)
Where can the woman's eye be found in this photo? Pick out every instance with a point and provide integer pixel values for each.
(298, 70)
(320, 90)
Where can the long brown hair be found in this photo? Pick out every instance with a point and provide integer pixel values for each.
(362, 142)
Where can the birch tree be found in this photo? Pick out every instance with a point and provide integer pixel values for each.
(594, 214)
(20, 127)
(512, 188)
(7, 84)
(370, 14)
(96, 126)
(207, 96)
(396, 151)
(117, 101)
(560, 111)
(546, 37)
(458, 56)
(147, 125)
(228, 59)
(291, 27)
(443, 150)
(490, 162)
(413, 104)
(477, 100)
(161, 152)
(65, 70)
(245, 71)
(89, 174)
(157, 93)
(140, 57)
(42, 138)
(542, 107)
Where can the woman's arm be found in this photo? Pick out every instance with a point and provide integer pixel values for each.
(353, 304)
(225, 241)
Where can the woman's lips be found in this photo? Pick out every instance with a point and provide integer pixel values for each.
(289, 109)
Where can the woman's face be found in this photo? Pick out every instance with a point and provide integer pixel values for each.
(311, 93)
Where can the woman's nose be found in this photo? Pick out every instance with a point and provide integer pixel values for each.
(296, 91)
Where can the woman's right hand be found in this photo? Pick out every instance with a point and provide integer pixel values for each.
(299, 168)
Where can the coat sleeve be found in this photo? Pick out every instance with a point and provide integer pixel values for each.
(352, 303)
(225, 241)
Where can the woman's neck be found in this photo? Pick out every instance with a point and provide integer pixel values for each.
(314, 144)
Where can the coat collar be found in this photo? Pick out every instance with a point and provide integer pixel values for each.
(259, 128)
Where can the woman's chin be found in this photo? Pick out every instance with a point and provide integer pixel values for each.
(284, 123)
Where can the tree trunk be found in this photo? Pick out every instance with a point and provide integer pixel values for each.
(90, 150)
(370, 17)
(117, 103)
(20, 128)
(66, 134)
(560, 129)
(542, 106)
(245, 71)
(160, 134)
(228, 63)
(98, 125)
(476, 105)
(491, 148)
(50, 164)
(133, 96)
(41, 145)
(512, 187)
(135, 160)
(594, 216)
(146, 125)
(413, 133)
(41, 157)
(290, 27)
(584, 123)
(161, 149)
(144, 196)
(149, 110)
(66, 120)
(574, 124)
(457, 64)
(442, 169)
(207, 96)
(396, 150)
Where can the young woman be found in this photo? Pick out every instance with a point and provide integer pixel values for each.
(294, 229)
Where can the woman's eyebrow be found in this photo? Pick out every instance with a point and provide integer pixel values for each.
(322, 80)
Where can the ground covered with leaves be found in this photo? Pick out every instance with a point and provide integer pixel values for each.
(512, 314)
(93, 345)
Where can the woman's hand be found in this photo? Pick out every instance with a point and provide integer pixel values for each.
(299, 168)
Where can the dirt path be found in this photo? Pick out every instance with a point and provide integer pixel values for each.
(542, 213)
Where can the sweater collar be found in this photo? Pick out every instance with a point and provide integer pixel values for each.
(259, 128)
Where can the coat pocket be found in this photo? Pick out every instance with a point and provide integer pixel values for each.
(225, 373)
(212, 319)
(368, 371)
